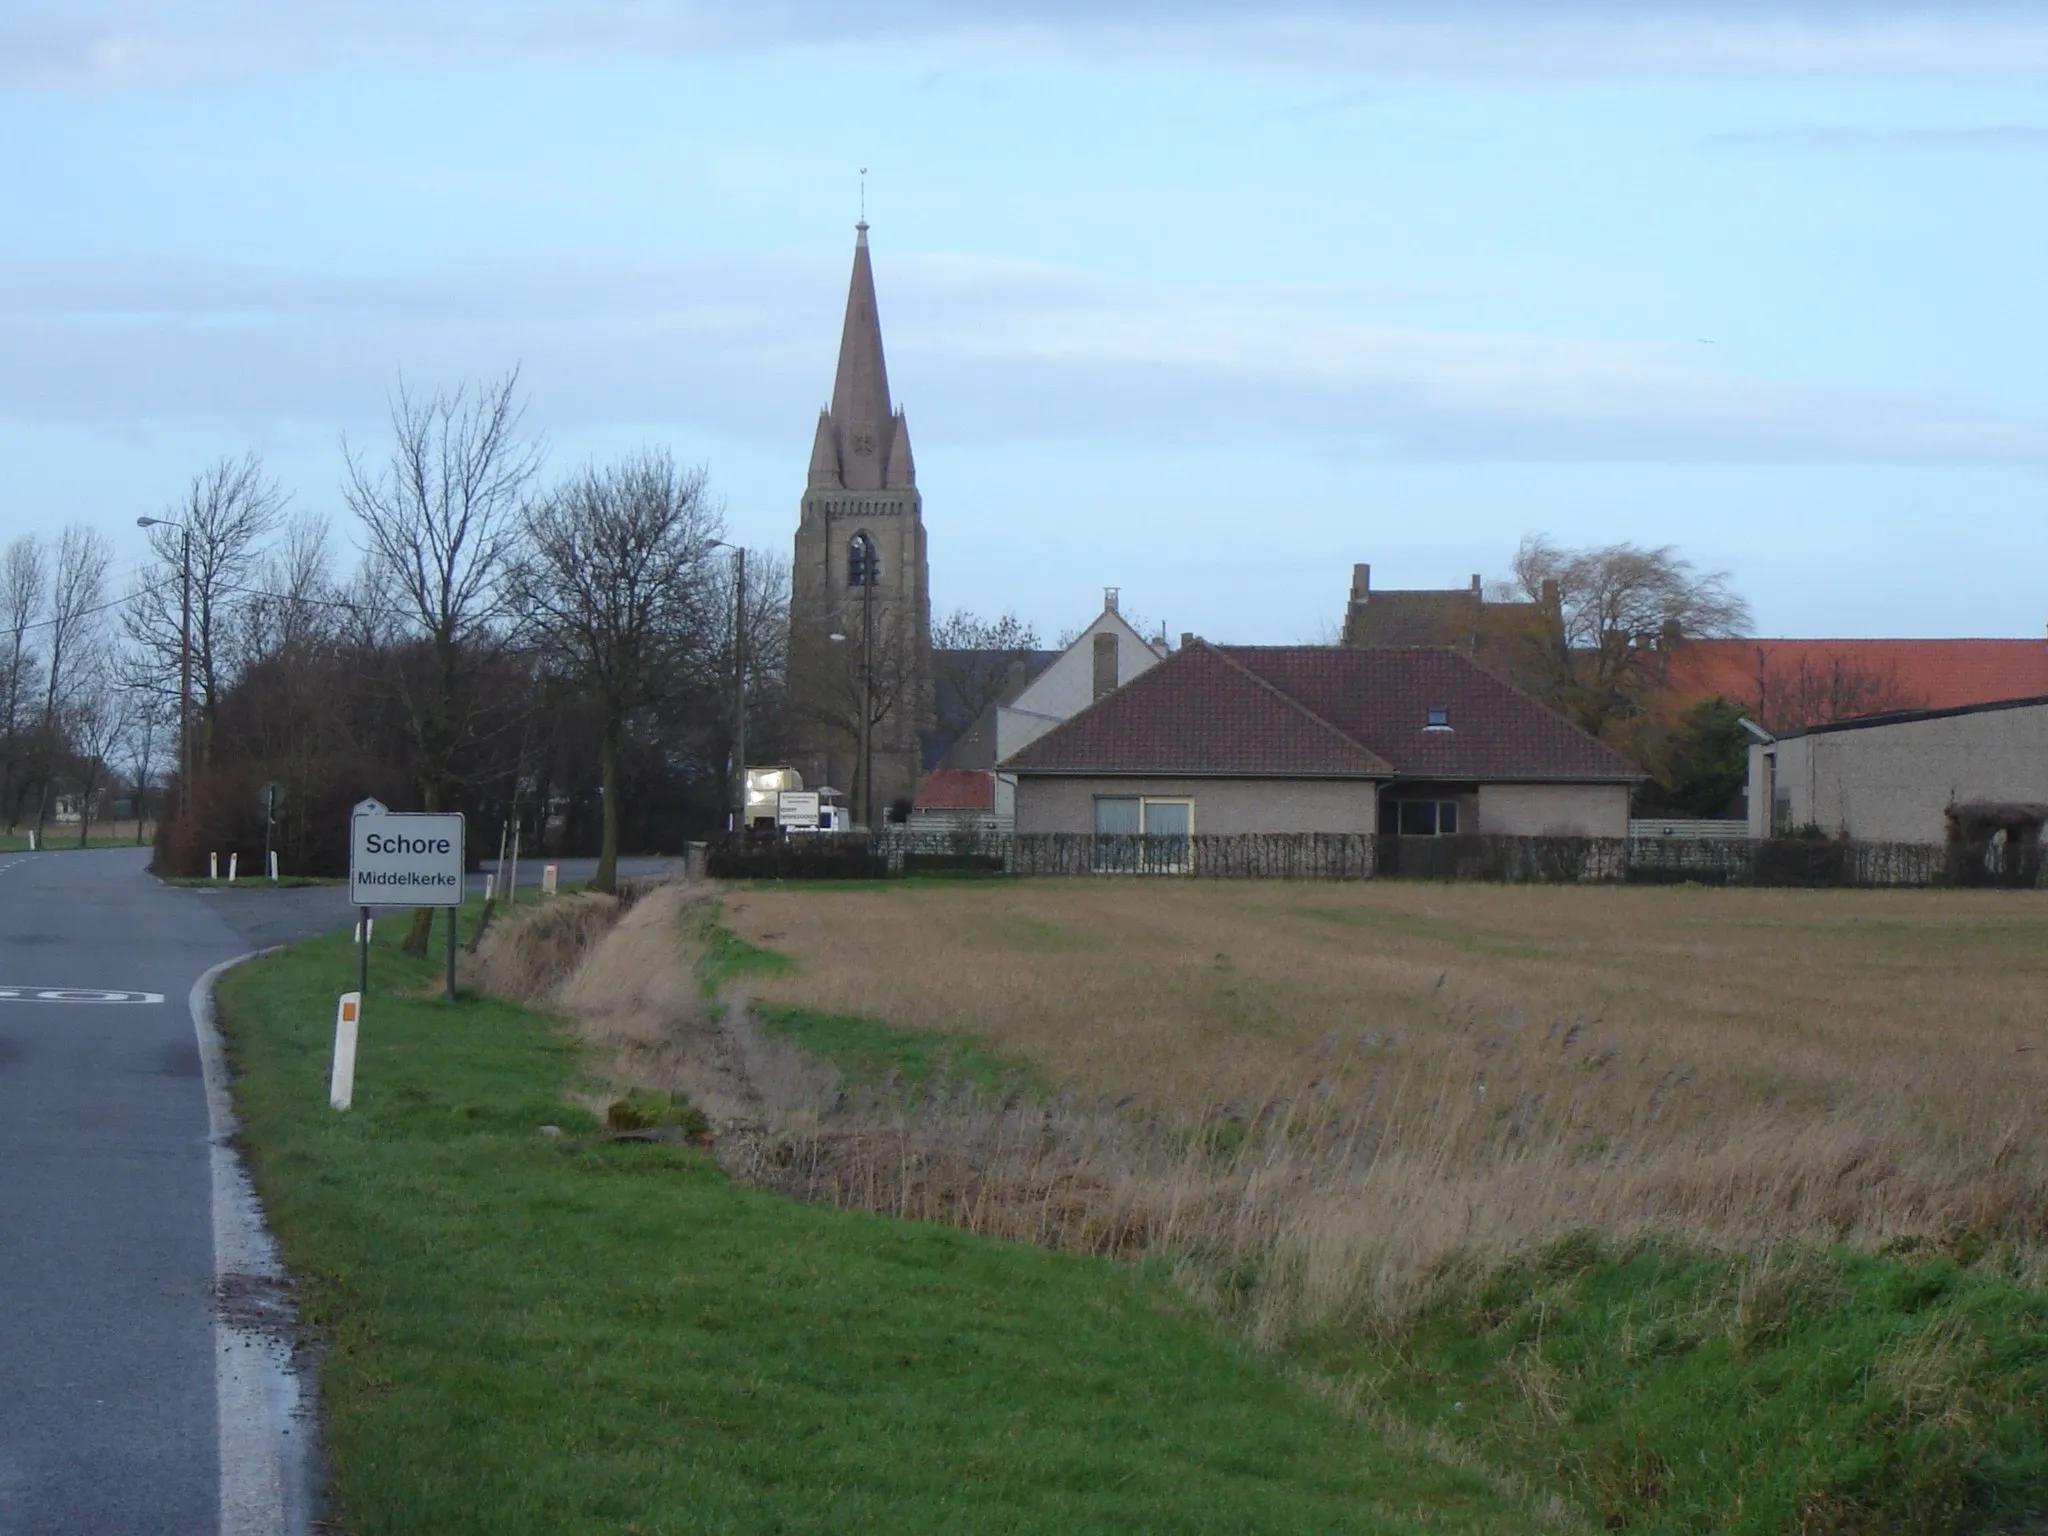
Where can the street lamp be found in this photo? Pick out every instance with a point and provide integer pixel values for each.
(184, 654)
(739, 682)
(864, 568)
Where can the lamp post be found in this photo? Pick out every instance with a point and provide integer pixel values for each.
(739, 683)
(184, 653)
(864, 567)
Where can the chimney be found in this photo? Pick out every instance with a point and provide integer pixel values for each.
(1361, 582)
(1105, 664)
(1109, 597)
(1476, 589)
(1187, 638)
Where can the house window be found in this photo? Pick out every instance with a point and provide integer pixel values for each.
(1140, 835)
(1419, 818)
(863, 562)
(1436, 719)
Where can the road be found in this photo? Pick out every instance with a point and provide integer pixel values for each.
(108, 1413)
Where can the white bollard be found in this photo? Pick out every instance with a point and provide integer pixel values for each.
(213, 866)
(31, 839)
(547, 879)
(341, 1087)
(234, 860)
(490, 886)
(273, 864)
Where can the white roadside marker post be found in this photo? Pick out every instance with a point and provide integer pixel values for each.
(213, 866)
(273, 866)
(341, 1086)
(547, 879)
(234, 863)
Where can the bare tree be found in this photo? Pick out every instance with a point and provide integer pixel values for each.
(74, 642)
(618, 582)
(441, 516)
(229, 510)
(97, 724)
(1600, 610)
(296, 604)
(1822, 691)
(148, 720)
(973, 659)
(24, 575)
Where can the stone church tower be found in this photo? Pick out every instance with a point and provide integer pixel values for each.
(860, 574)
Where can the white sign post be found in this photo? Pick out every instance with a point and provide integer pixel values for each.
(405, 859)
(341, 1083)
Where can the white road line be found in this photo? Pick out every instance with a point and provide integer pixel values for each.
(265, 1442)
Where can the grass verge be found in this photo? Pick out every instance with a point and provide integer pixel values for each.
(563, 1335)
(1666, 1392)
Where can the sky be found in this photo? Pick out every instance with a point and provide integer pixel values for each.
(1203, 300)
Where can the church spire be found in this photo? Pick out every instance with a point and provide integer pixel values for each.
(861, 418)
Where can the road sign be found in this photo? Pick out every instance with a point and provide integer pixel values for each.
(404, 859)
(796, 810)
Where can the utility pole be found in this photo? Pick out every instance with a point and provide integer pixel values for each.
(867, 683)
(739, 689)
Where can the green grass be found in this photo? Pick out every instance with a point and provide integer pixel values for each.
(865, 1050)
(560, 1335)
(1665, 1392)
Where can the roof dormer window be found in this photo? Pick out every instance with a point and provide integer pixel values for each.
(1436, 718)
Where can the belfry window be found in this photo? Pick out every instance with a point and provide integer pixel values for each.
(863, 562)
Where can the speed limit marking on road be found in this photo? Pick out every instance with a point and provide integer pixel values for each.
(75, 995)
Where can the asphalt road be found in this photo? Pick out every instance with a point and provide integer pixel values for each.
(108, 1418)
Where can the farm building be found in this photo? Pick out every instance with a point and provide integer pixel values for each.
(1895, 777)
(1242, 739)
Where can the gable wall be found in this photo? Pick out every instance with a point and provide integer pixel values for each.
(1891, 783)
(1067, 687)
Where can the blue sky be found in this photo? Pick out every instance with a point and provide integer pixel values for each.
(1205, 301)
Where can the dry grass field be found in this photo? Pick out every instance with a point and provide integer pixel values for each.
(1497, 1063)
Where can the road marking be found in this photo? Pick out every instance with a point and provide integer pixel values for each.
(75, 995)
(264, 1408)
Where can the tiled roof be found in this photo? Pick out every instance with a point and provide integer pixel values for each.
(1902, 674)
(1321, 710)
(958, 789)
(1198, 712)
(1382, 699)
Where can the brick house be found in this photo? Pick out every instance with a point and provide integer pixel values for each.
(1256, 739)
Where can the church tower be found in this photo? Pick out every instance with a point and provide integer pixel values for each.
(860, 619)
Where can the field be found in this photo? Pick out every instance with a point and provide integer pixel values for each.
(1747, 1066)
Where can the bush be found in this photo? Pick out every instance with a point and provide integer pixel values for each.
(807, 856)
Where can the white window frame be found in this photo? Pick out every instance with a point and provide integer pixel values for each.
(1152, 859)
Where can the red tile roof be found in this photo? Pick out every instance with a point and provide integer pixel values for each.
(1198, 712)
(1896, 674)
(1382, 697)
(958, 789)
(1302, 711)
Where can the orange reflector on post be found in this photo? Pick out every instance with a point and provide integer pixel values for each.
(341, 1086)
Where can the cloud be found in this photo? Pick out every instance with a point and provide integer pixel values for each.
(980, 352)
(118, 43)
(1823, 138)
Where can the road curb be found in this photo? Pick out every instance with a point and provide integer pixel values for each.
(265, 1408)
